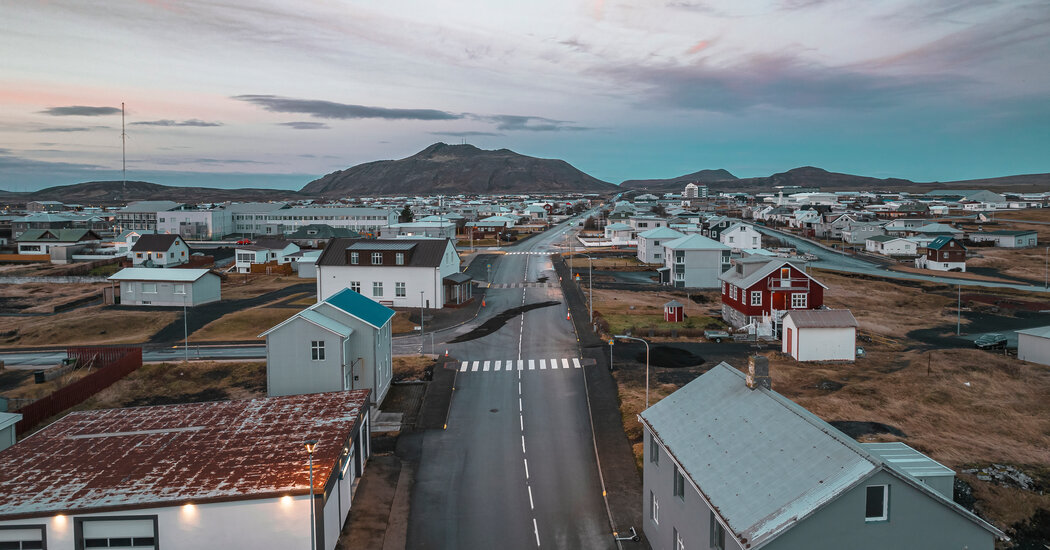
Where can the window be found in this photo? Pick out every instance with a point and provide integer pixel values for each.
(180, 288)
(798, 300)
(785, 273)
(732, 291)
(756, 297)
(679, 544)
(377, 258)
(21, 537)
(718, 534)
(654, 450)
(399, 289)
(730, 239)
(137, 254)
(317, 350)
(654, 508)
(149, 288)
(876, 503)
(754, 241)
(723, 287)
(399, 259)
(355, 286)
(353, 258)
(377, 288)
(679, 483)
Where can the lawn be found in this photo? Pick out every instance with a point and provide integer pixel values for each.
(411, 367)
(196, 381)
(249, 285)
(246, 324)
(43, 297)
(87, 326)
(639, 311)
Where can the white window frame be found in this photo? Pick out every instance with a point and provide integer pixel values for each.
(399, 258)
(885, 503)
(179, 288)
(654, 508)
(799, 300)
(354, 258)
(400, 289)
(317, 350)
(377, 258)
(377, 289)
(355, 286)
(146, 288)
(756, 297)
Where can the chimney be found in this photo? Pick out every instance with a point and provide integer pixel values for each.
(758, 372)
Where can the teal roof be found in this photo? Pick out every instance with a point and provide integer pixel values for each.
(661, 233)
(363, 308)
(695, 242)
(326, 322)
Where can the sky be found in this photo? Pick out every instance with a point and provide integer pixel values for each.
(272, 93)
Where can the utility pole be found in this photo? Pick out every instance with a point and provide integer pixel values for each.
(422, 330)
(958, 314)
(123, 152)
(185, 330)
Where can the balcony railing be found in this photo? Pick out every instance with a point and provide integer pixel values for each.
(788, 284)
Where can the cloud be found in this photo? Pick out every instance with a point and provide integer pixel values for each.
(700, 7)
(302, 125)
(204, 161)
(167, 122)
(778, 81)
(466, 134)
(68, 129)
(80, 110)
(529, 123)
(332, 110)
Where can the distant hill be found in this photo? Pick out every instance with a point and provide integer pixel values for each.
(113, 192)
(671, 185)
(810, 176)
(453, 169)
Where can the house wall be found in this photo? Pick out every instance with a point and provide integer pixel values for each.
(178, 254)
(368, 350)
(202, 291)
(820, 344)
(199, 224)
(650, 251)
(916, 520)
(290, 369)
(689, 514)
(1033, 348)
(700, 269)
(7, 437)
(743, 236)
(332, 279)
(779, 300)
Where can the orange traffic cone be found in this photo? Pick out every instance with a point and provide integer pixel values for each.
(568, 316)
(446, 352)
(482, 302)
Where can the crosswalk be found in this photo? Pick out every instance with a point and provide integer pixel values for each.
(520, 285)
(510, 365)
(533, 253)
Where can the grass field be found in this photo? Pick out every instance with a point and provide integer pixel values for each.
(411, 367)
(246, 324)
(43, 297)
(249, 285)
(615, 307)
(88, 326)
(165, 383)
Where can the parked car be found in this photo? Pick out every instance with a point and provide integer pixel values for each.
(990, 341)
(244, 241)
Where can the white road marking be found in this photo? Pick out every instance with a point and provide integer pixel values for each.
(554, 363)
(498, 365)
(474, 367)
(519, 405)
(531, 505)
(485, 367)
(532, 364)
(523, 444)
(543, 364)
(521, 365)
(522, 422)
(463, 367)
(526, 468)
(576, 362)
(565, 363)
(536, 530)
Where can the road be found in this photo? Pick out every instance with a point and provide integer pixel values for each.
(515, 468)
(837, 261)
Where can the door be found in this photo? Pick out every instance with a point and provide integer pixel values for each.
(789, 339)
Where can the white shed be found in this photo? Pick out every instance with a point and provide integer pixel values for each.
(820, 335)
(1033, 345)
(157, 286)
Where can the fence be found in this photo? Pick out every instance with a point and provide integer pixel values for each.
(113, 363)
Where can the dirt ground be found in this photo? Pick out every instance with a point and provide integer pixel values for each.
(196, 381)
(43, 297)
(246, 324)
(968, 275)
(615, 307)
(91, 325)
(250, 285)
(1023, 263)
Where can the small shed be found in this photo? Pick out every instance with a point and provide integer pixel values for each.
(820, 335)
(674, 312)
(1033, 345)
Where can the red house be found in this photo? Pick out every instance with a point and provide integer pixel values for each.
(762, 289)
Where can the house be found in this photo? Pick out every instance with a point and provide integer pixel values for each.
(820, 335)
(143, 214)
(860, 232)
(1006, 239)
(741, 235)
(694, 261)
(159, 251)
(1033, 345)
(888, 245)
(41, 241)
(264, 250)
(729, 463)
(645, 223)
(536, 212)
(650, 249)
(397, 273)
(317, 235)
(276, 219)
(619, 234)
(8, 420)
(195, 224)
(219, 474)
(341, 343)
(154, 286)
(943, 253)
(420, 230)
(45, 206)
(760, 289)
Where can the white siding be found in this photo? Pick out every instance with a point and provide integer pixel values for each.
(820, 344)
(1033, 348)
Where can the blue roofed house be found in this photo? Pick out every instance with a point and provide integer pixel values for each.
(650, 247)
(340, 343)
(730, 463)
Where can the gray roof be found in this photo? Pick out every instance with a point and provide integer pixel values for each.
(661, 233)
(695, 242)
(324, 322)
(458, 278)
(772, 264)
(903, 458)
(159, 274)
(151, 206)
(382, 245)
(1041, 332)
(822, 318)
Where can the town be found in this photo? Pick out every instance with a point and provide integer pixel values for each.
(798, 367)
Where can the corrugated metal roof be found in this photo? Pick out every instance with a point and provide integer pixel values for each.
(695, 242)
(822, 318)
(458, 278)
(158, 274)
(151, 206)
(903, 458)
(326, 322)
(175, 454)
(661, 233)
(154, 243)
(363, 308)
(1041, 332)
(772, 264)
(762, 461)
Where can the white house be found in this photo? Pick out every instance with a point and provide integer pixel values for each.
(220, 474)
(888, 245)
(645, 223)
(1033, 345)
(741, 235)
(1006, 239)
(394, 272)
(694, 261)
(820, 335)
(41, 241)
(159, 251)
(154, 286)
(199, 225)
(619, 234)
(262, 251)
(650, 247)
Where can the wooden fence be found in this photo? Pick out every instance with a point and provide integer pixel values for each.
(112, 364)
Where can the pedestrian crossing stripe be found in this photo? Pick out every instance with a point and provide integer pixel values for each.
(533, 253)
(517, 285)
(511, 365)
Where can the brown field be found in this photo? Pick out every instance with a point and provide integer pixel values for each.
(1023, 263)
(580, 264)
(43, 297)
(88, 326)
(878, 304)
(411, 367)
(249, 285)
(615, 307)
(164, 383)
(956, 275)
(246, 324)
(401, 325)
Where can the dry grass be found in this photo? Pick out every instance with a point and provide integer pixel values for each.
(631, 390)
(1024, 263)
(307, 299)
(401, 325)
(29, 389)
(615, 307)
(243, 325)
(163, 383)
(43, 297)
(580, 264)
(952, 274)
(89, 326)
(411, 367)
(249, 285)
(886, 307)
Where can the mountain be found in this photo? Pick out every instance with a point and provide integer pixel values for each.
(810, 176)
(671, 185)
(111, 192)
(455, 169)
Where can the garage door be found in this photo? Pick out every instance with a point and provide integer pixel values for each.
(21, 538)
(135, 533)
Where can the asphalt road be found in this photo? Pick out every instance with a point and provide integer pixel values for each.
(515, 468)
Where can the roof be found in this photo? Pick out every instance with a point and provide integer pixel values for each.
(661, 233)
(322, 231)
(9, 419)
(674, 303)
(154, 243)
(822, 318)
(324, 322)
(937, 228)
(1041, 332)
(365, 309)
(618, 227)
(884, 238)
(725, 437)
(270, 243)
(458, 278)
(939, 242)
(425, 252)
(57, 235)
(904, 459)
(151, 206)
(1004, 233)
(771, 265)
(174, 454)
(159, 274)
(695, 241)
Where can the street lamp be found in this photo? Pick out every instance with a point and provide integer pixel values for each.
(590, 286)
(1046, 269)
(311, 445)
(625, 337)
(422, 329)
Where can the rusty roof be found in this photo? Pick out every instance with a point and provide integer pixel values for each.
(822, 318)
(175, 454)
